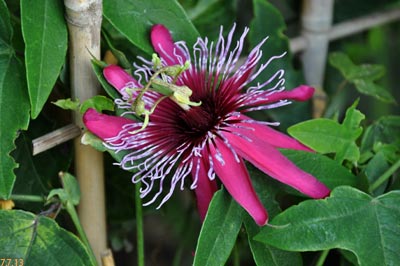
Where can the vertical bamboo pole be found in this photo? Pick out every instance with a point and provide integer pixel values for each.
(316, 21)
(84, 23)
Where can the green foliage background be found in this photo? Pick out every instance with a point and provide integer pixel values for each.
(357, 141)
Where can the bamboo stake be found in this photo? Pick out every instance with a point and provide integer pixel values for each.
(84, 22)
(316, 21)
(107, 258)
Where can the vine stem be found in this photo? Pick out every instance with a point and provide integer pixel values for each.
(30, 198)
(75, 219)
(322, 258)
(139, 225)
(236, 255)
(385, 176)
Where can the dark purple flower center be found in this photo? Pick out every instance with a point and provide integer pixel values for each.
(196, 122)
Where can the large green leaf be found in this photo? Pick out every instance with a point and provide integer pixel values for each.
(376, 167)
(38, 240)
(264, 254)
(328, 171)
(219, 231)
(5, 25)
(14, 103)
(349, 219)
(135, 18)
(328, 136)
(34, 183)
(201, 8)
(45, 36)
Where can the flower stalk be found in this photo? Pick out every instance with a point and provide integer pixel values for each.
(385, 176)
(139, 226)
(81, 232)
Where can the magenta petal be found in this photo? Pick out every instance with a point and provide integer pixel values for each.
(104, 126)
(164, 45)
(269, 160)
(118, 77)
(301, 93)
(233, 174)
(205, 188)
(266, 133)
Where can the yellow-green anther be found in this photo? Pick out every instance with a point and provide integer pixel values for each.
(179, 94)
(181, 97)
(147, 114)
(158, 82)
(139, 107)
(156, 61)
(176, 70)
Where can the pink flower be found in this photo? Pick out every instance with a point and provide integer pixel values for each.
(212, 139)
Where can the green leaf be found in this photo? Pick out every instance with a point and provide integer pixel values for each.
(369, 88)
(29, 179)
(264, 254)
(385, 130)
(328, 171)
(38, 240)
(201, 7)
(362, 76)
(68, 104)
(45, 35)
(349, 219)
(328, 136)
(5, 25)
(353, 72)
(98, 102)
(98, 70)
(92, 140)
(219, 231)
(123, 14)
(120, 56)
(14, 103)
(376, 167)
(70, 193)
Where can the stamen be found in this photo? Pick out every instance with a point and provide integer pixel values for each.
(211, 173)
(269, 106)
(196, 175)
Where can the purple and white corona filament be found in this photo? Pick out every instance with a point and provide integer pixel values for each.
(210, 140)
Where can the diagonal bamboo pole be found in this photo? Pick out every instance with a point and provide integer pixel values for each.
(84, 23)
